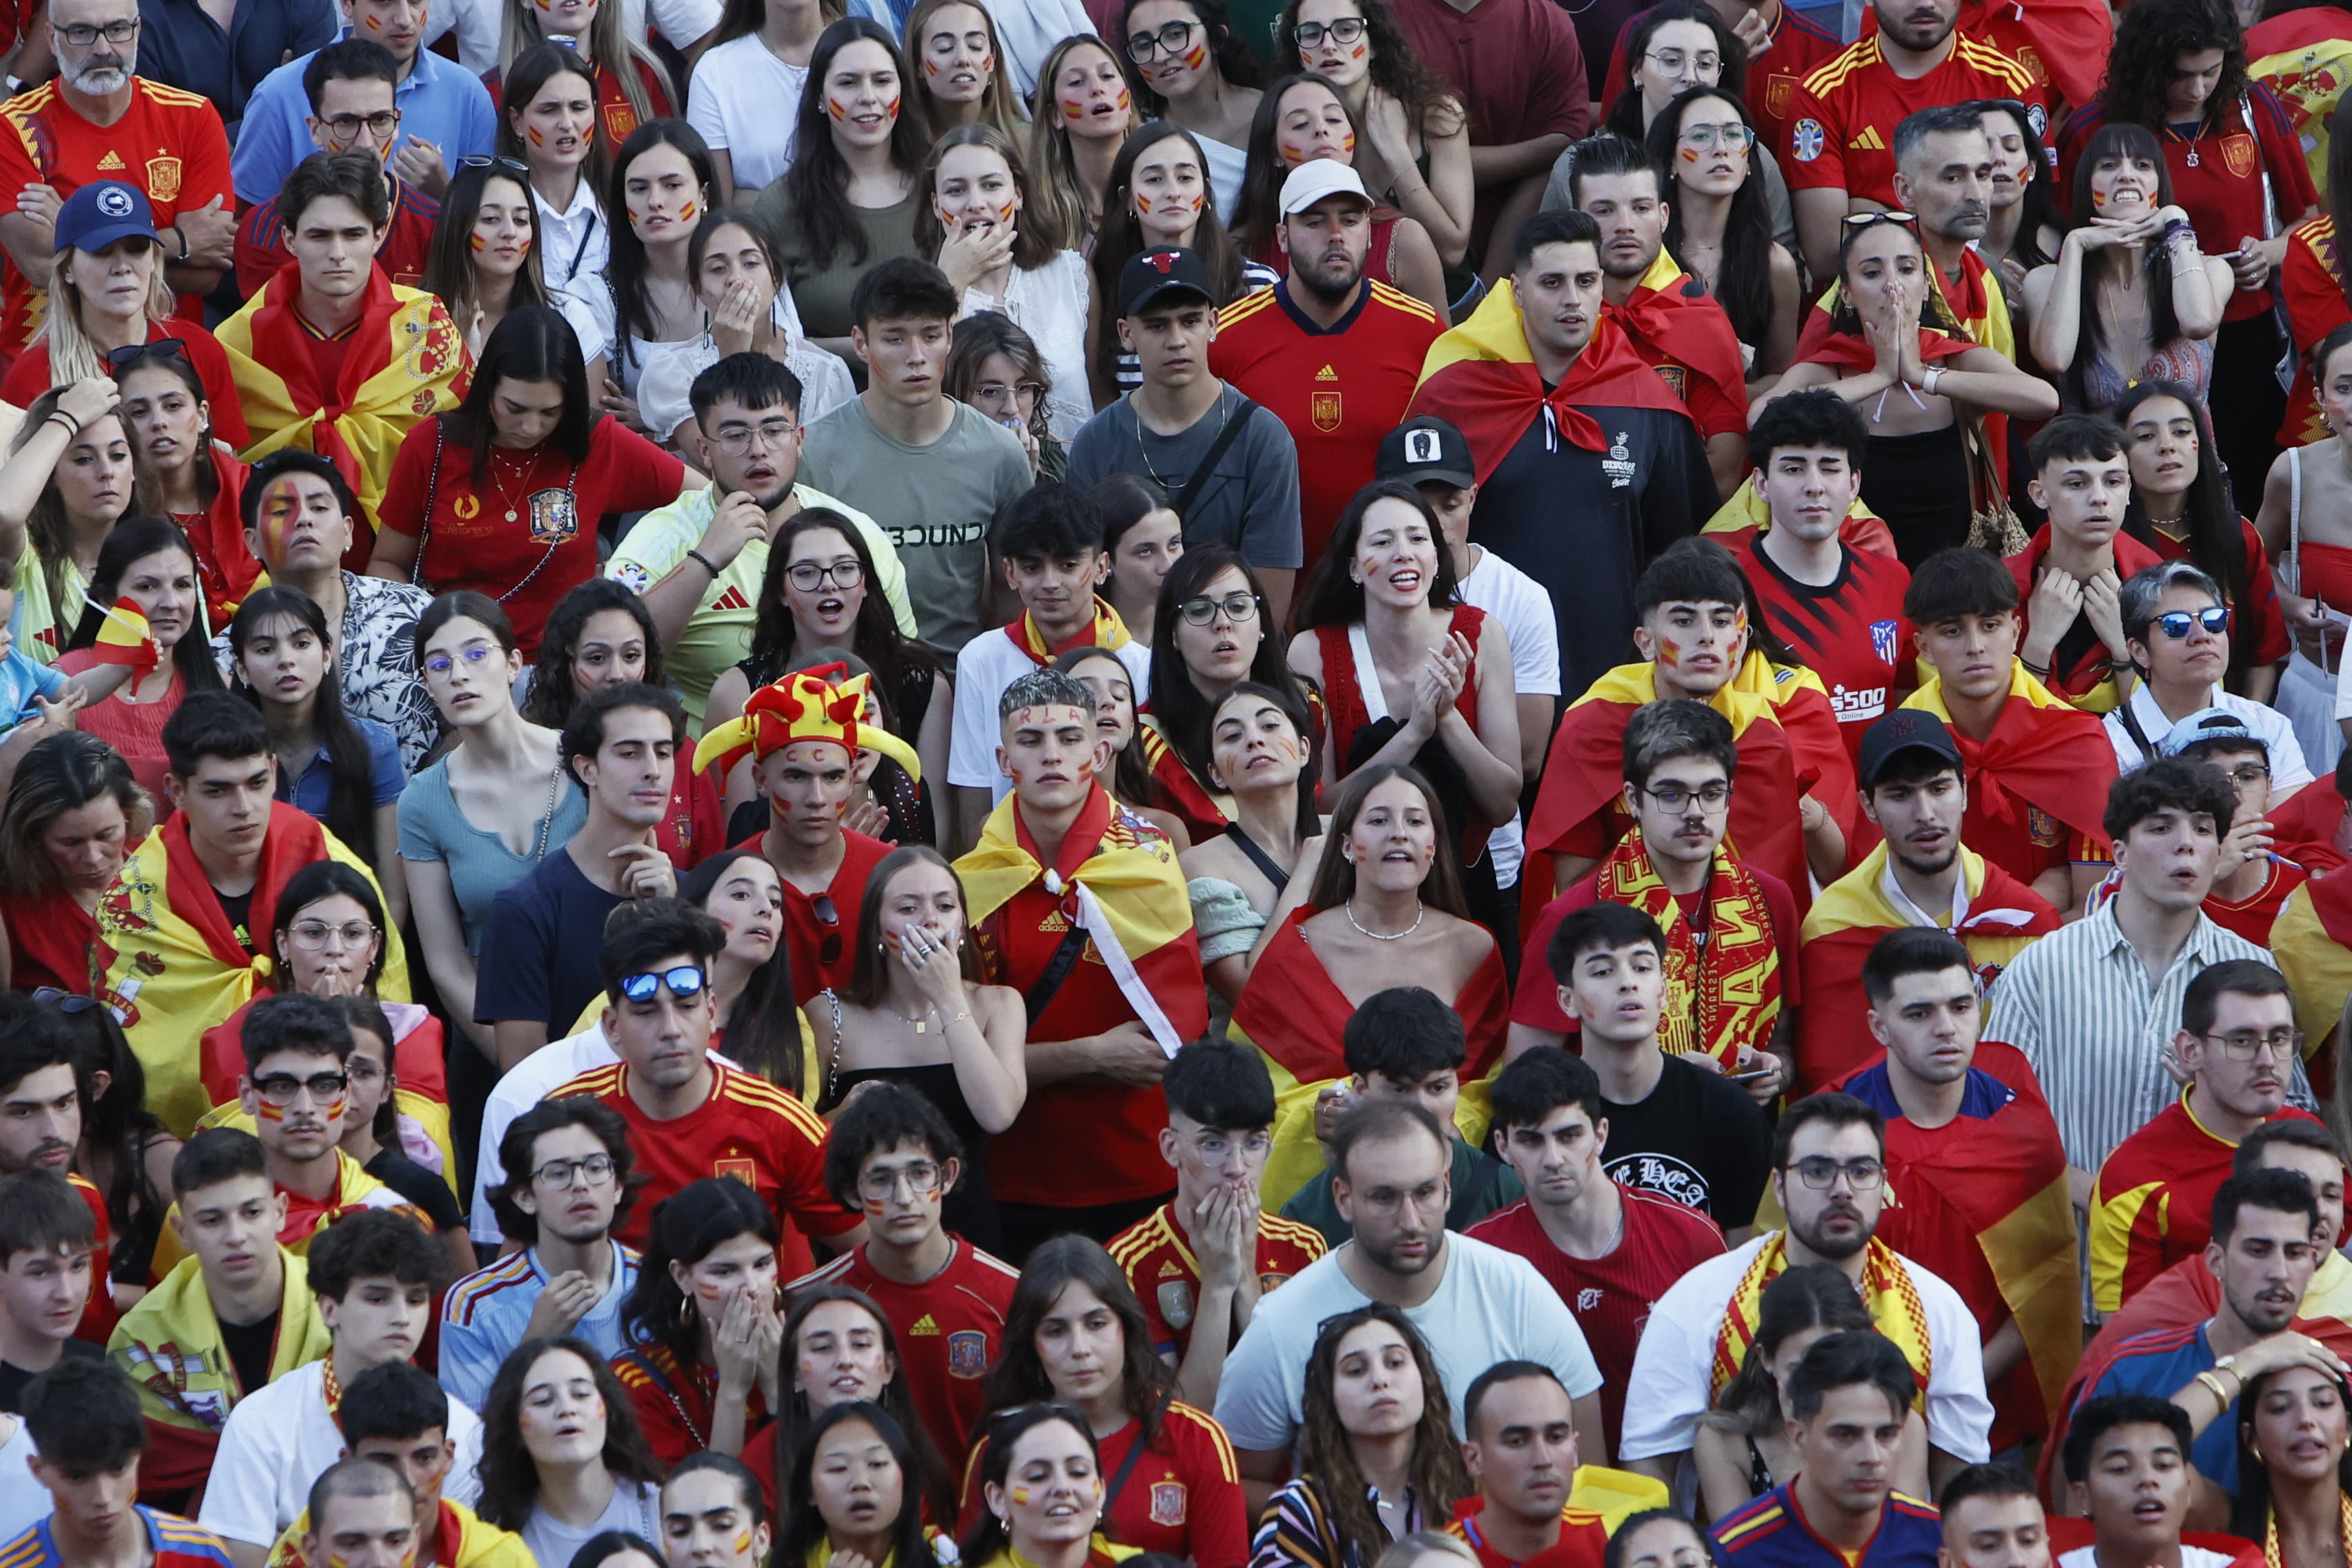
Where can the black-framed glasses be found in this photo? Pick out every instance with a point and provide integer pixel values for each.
(1172, 38)
(81, 35)
(1673, 796)
(828, 915)
(2179, 623)
(1342, 31)
(685, 982)
(2245, 1045)
(1236, 607)
(560, 1174)
(281, 1088)
(498, 163)
(1821, 1173)
(382, 122)
(808, 577)
(130, 354)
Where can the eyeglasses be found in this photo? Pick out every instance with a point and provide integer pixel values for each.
(382, 122)
(918, 1177)
(1310, 35)
(828, 915)
(281, 1088)
(312, 935)
(1235, 607)
(2249, 772)
(499, 162)
(992, 397)
(1673, 62)
(2245, 1045)
(472, 653)
(2177, 623)
(561, 1173)
(130, 354)
(1173, 38)
(735, 440)
(685, 982)
(81, 35)
(1675, 796)
(808, 577)
(1731, 136)
(1214, 1147)
(1821, 1173)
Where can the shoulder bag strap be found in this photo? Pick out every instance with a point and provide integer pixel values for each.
(432, 490)
(2132, 728)
(1041, 995)
(1135, 1451)
(1180, 503)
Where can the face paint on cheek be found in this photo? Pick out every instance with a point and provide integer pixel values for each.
(336, 1106)
(269, 1112)
(930, 66)
(279, 508)
(1195, 57)
(1125, 102)
(2098, 198)
(1021, 1496)
(373, 24)
(537, 137)
(1666, 654)
(1293, 154)
(1690, 154)
(1348, 142)
(478, 243)
(687, 209)
(838, 109)
(890, 110)
(1004, 213)
(988, 65)
(742, 1547)
(1072, 110)
(1359, 51)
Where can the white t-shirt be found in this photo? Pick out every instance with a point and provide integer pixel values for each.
(2190, 1557)
(635, 1507)
(1667, 1390)
(1512, 597)
(746, 102)
(1049, 303)
(1028, 30)
(24, 1501)
(279, 1439)
(1491, 1307)
(988, 664)
(2289, 769)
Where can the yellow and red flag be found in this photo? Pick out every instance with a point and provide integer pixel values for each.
(125, 639)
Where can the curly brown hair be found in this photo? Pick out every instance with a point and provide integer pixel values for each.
(2150, 38)
(1328, 1455)
(1430, 101)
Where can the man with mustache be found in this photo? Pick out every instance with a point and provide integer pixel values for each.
(98, 119)
(1922, 876)
(1829, 1179)
(2150, 1203)
(2264, 1247)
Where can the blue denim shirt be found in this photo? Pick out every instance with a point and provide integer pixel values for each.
(441, 102)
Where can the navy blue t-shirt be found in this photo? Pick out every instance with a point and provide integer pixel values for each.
(539, 950)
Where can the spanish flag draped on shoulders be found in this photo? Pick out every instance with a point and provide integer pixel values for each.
(171, 1345)
(1114, 899)
(1482, 378)
(1676, 324)
(2311, 940)
(1994, 915)
(1293, 1012)
(2038, 778)
(171, 961)
(1981, 1202)
(1100, 1553)
(1789, 747)
(406, 361)
(305, 1217)
(2311, 285)
(463, 1539)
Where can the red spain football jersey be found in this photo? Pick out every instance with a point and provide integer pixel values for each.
(818, 949)
(1841, 119)
(1798, 46)
(169, 144)
(1165, 1277)
(1337, 390)
(748, 1129)
(949, 1327)
(1184, 1497)
(1611, 1296)
(1852, 633)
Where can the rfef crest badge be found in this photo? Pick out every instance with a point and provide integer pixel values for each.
(1175, 1298)
(1168, 1503)
(2238, 156)
(2042, 826)
(744, 1171)
(554, 518)
(1778, 90)
(1674, 376)
(163, 179)
(620, 120)
(1882, 640)
(1323, 409)
(966, 1353)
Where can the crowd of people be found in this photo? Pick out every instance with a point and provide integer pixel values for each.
(1037, 784)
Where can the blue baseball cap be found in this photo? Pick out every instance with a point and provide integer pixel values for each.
(97, 215)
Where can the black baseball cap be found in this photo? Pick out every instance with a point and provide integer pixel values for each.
(1152, 273)
(1905, 730)
(1426, 450)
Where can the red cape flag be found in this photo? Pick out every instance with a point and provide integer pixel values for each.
(1293, 1012)
(2304, 828)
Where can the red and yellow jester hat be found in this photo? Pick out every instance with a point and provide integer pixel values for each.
(805, 705)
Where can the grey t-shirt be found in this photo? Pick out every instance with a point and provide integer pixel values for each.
(1250, 503)
(934, 502)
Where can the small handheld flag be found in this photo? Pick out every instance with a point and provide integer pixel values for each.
(123, 638)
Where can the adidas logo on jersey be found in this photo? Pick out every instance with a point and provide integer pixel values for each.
(926, 1324)
(111, 161)
(1168, 1270)
(1056, 920)
(1868, 141)
(1326, 374)
(733, 599)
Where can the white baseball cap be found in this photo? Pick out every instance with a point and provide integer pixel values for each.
(1317, 178)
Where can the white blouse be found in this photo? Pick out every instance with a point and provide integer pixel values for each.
(1049, 303)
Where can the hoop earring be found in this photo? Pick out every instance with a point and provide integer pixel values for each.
(686, 1312)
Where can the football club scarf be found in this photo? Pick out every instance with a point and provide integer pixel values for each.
(1887, 1291)
(1118, 881)
(1997, 1184)
(168, 959)
(2002, 917)
(171, 1345)
(408, 362)
(1481, 377)
(1293, 1013)
(1723, 986)
(2042, 753)
(805, 705)
(2311, 940)
(1106, 631)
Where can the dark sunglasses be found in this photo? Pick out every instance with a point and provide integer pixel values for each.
(122, 358)
(2215, 619)
(685, 982)
(67, 1002)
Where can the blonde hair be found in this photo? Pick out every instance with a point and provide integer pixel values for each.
(72, 356)
(1055, 188)
(608, 45)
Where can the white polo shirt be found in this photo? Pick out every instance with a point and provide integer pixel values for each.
(988, 664)
(2289, 771)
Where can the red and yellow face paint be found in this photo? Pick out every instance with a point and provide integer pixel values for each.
(537, 137)
(1196, 56)
(742, 1545)
(687, 210)
(281, 504)
(1073, 110)
(836, 110)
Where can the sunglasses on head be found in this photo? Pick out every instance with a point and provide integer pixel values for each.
(498, 163)
(685, 982)
(1856, 222)
(122, 358)
(67, 1002)
(2176, 624)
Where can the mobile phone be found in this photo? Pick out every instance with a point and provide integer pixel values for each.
(1748, 1076)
